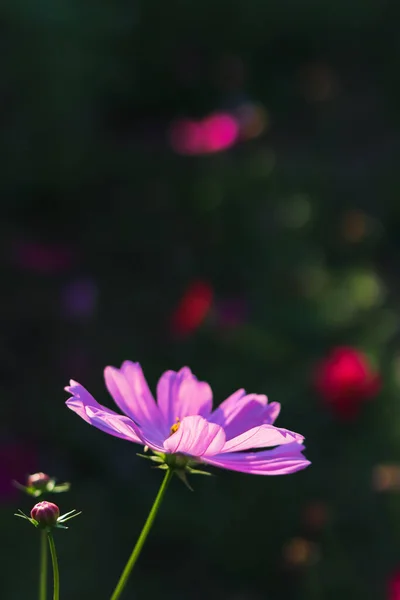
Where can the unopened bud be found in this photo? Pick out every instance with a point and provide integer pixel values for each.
(38, 481)
(46, 514)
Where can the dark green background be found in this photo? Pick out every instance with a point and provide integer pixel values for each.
(87, 92)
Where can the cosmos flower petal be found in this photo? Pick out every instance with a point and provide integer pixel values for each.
(83, 403)
(242, 411)
(181, 394)
(279, 461)
(130, 391)
(229, 408)
(272, 412)
(261, 437)
(196, 437)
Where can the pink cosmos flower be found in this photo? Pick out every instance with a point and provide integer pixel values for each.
(182, 421)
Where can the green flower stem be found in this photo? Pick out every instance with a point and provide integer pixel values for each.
(123, 580)
(56, 576)
(43, 566)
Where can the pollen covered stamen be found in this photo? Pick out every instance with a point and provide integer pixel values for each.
(175, 426)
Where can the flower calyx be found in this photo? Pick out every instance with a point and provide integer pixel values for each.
(40, 483)
(180, 464)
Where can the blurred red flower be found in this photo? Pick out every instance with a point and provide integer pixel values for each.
(192, 308)
(394, 587)
(345, 379)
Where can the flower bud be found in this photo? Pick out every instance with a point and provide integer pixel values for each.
(45, 513)
(38, 481)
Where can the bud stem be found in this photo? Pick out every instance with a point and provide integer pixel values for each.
(56, 576)
(43, 566)
(123, 580)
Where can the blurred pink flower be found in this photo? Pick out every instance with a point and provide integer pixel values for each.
(214, 133)
(41, 257)
(394, 586)
(220, 132)
(182, 423)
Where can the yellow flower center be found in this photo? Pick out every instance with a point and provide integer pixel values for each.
(175, 426)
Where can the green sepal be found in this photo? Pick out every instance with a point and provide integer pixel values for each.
(61, 487)
(156, 459)
(198, 472)
(69, 515)
(50, 488)
(182, 476)
(22, 515)
(179, 464)
(31, 491)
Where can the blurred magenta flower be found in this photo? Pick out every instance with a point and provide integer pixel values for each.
(220, 132)
(192, 308)
(345, 379)
(214, 133)
(182, 423)
(394, 586)
(42, 257)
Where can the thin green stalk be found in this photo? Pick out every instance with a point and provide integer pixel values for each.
(123, 580)
(43, 566)
(56, 576)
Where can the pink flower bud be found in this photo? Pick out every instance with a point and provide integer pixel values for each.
(38, 481)
(45, 513)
